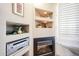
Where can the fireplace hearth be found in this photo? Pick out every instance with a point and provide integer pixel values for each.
(44, 46)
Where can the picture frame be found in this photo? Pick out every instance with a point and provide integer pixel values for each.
(18, 9)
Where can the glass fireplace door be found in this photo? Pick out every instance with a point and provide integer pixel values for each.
(43, 46)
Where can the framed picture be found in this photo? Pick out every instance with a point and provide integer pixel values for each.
(18, 8)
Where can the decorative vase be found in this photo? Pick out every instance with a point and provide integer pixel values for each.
(19, 30)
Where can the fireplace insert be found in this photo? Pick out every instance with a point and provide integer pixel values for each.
(44, 46)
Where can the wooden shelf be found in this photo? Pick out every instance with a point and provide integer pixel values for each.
(42, 19)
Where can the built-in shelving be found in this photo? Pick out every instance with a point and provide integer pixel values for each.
(13, 33)
(16, 28)
(43, 18)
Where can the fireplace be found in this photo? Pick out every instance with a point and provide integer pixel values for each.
(44, 46)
